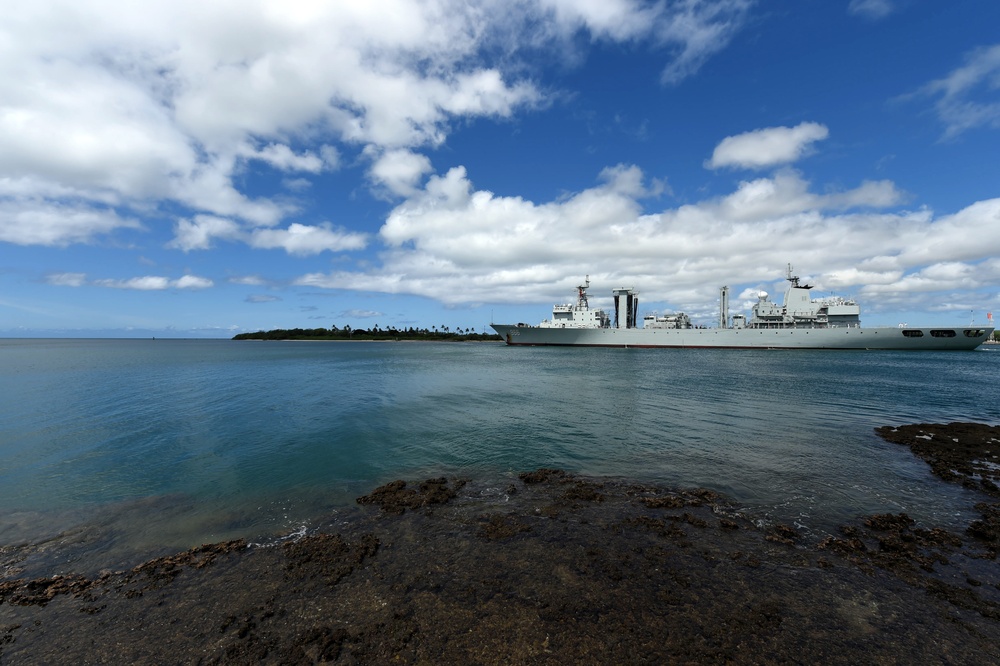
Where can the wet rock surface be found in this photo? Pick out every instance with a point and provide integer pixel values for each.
(965, 453)
(550, 568)
(396, 498)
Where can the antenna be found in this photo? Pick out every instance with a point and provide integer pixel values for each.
(794, 279)
(581, 294)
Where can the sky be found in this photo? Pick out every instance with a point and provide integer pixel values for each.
(201, 169)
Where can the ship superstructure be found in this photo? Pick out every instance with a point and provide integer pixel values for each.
(798, 322)
(579, 315)
(799, 310)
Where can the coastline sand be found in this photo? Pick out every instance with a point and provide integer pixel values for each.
(552, 569)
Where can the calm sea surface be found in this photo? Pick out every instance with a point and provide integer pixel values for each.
(115, 449)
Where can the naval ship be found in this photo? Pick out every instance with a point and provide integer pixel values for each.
(800, 322)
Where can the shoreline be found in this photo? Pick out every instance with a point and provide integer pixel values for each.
(553, 568)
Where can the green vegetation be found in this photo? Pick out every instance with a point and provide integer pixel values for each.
(443, 333)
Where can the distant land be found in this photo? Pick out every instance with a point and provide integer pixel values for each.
(375, 333)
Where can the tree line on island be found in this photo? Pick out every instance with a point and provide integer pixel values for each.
(435, 333)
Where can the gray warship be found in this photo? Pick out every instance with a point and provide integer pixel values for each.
(799, 322)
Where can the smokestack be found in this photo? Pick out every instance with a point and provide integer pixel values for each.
(724, 308)
(626, 307)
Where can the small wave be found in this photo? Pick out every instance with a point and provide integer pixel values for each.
(291, 537)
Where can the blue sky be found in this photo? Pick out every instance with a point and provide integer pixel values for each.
(201, 169)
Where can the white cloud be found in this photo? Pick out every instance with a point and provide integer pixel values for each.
(871, 9)
(967, 97)
(849, 278)
(353, 68)
(303, 240)
(209, 188)
(938, 277)
(967, 235)
(33, 222)
(471, 229)
(282, 157)
(697, 31)
(197, 234)
(870, 194)
(298, 239)
(786, 193)
(691, 31)
(767, 147)
(156, 283)
(400, 171)
(66, 279)
(617, 20)
(459, 245)
(144, 283)
(163, 103)
(192, 282)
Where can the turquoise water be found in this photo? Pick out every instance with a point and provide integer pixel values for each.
(145, 445)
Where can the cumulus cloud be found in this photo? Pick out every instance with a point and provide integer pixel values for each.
(400, 171)
(164, 103)
(299, 239)
(192, 282)
(198, 233)
(787, 193)
(967, 97)
(460, 245)
(34, 222)
(967, 235)
(768, 147)
(302, 239)
(282, 157)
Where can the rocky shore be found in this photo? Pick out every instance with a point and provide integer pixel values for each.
(550, 569)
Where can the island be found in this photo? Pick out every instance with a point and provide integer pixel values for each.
(392, 334)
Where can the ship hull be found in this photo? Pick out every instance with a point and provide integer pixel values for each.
(941, 339)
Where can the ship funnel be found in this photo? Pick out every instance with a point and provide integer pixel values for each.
(626, 307)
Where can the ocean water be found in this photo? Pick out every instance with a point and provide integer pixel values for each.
(115, 450)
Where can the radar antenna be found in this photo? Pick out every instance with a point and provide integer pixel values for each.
(581, 294)
(794, 279)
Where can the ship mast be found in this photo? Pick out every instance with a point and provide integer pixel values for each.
(581, 294)
(794, 279)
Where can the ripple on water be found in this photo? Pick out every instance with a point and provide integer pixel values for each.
(243, 437)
